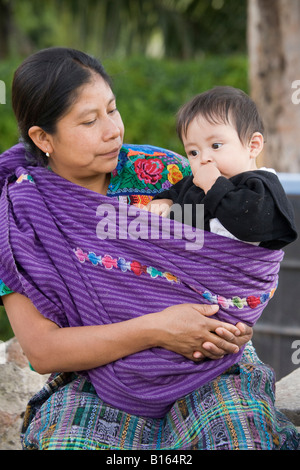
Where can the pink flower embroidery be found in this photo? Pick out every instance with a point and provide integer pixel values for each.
(149, 170)
(109, 262)
(81, 255)
(223, 302)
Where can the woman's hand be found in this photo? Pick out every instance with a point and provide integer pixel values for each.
(188, 330)
(245, 335)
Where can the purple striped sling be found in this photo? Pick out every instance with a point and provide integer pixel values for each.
(51, 251)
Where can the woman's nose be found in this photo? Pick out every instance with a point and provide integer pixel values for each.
(112, 129)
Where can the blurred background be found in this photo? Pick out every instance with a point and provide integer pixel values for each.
(162, 52)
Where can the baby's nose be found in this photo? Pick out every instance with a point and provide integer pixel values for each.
(206, 157)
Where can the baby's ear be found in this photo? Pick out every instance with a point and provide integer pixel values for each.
(256, 144)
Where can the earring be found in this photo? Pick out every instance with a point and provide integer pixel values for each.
(47, 154)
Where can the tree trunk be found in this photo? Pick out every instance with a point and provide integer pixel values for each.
(274, 62)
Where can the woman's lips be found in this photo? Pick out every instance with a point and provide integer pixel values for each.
(112, 154)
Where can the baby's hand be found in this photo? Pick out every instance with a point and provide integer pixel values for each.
(206, 176)
(160, 206)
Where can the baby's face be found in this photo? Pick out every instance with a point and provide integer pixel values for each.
(218, 144)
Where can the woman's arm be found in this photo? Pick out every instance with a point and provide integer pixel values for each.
(182, 328)
(50, 348)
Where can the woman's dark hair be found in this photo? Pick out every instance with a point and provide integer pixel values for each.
(222, 104)
(44, 87)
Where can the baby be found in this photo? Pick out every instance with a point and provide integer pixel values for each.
(222, 134)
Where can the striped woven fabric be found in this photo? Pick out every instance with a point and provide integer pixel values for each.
(233, 412)
(55, 252)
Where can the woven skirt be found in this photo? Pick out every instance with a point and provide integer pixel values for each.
(234, 411)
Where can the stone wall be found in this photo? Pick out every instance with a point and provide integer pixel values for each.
(288, 396)
(18, 383)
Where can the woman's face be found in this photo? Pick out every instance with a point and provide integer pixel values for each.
(89, 137)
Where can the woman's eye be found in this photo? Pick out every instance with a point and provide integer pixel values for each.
(112, 111)
(216, 145)
(89, 123)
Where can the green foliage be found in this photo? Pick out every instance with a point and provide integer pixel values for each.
(8, 126)
(183, 29)
(5, 328)
(149, 93)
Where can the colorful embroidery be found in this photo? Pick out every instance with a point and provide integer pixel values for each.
(149, 170)
(25, 177)
(251, 301)
(4, 289)
(138, 269)
(139, 200)
(146, 171)
(120, 263)
(174, 174)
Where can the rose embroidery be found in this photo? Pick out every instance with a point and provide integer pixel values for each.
(150, 170)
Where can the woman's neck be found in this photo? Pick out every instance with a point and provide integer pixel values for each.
(98, 184)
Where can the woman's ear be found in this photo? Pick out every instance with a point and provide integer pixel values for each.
(256, 144)
(40, 138)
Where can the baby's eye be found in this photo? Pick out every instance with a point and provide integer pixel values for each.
(193, 153)
(216, 145)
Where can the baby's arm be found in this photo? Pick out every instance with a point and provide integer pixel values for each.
(160, 206)
(253, 207)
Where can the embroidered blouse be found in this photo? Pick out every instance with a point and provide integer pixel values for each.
(141, 173)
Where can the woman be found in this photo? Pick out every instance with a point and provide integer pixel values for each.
(70, 316)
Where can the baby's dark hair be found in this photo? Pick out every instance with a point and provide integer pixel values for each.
(222, 104)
